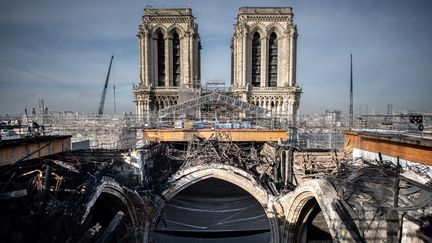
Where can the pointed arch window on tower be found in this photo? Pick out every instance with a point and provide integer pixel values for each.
(161, 59)
(176, 60)
(273, 60)
(256, 60)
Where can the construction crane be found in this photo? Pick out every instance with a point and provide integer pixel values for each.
(102, 102)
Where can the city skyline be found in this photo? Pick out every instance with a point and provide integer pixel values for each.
(60, 52)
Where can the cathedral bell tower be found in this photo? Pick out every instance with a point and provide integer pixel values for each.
(169, 46)
(263, 54)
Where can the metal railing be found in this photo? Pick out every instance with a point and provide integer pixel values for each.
(213, 98)
(399, 125)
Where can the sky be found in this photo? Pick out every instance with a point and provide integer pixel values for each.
(59, 51)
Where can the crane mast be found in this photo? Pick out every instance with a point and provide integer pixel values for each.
(102, 102)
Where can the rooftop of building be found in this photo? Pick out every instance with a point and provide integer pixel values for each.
(31, 139)
(413, 138)
(266, 10)
(149, 11)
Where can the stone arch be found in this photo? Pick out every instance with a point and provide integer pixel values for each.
(175, 28)
(255, 52)
(176, 58)
(257, 28)
(273, 64)
(276, 28)
(157, 53)
(186, 177)
(109, 192)
(296, 202)
(158, 29)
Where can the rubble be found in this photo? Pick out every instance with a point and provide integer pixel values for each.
(268, 166)
(315, 163)
(378, 192)
(116, 195)
(68, 197)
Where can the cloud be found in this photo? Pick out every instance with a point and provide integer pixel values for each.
(71, 43)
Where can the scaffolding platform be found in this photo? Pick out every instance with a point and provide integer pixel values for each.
(236, 135)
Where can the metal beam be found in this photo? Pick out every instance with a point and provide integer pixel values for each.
(213, 98)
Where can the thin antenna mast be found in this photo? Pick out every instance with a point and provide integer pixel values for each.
(351, 115)
(113, 78)
(115, 108)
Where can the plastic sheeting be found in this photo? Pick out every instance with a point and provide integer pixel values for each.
(215, 210)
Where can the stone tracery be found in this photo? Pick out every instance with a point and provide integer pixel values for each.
(264, 76)
(277, 89)
(169, 58)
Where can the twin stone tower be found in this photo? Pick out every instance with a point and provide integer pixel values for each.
(263, 60)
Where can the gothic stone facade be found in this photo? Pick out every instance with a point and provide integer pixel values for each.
(169, 47)
(264, 60)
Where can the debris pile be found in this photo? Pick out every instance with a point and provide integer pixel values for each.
(113, 195)
(379, 196)
(270, 164)
(315, 163)
(67, 197)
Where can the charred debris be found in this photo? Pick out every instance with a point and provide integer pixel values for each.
(110, 195)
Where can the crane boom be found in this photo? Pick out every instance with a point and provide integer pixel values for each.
(102, 102)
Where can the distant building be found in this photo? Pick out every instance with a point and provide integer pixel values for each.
(264, 60)
(333, 117)
(169, 46)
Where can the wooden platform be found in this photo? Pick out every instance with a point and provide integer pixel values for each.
(26, 148)
(237, 135)
(405, 147)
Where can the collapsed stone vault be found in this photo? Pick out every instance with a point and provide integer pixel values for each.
(214, 190)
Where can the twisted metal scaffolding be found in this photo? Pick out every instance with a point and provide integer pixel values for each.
(213, 98)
